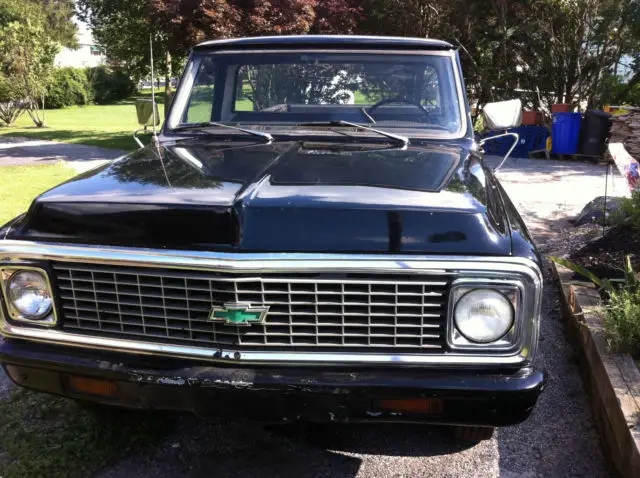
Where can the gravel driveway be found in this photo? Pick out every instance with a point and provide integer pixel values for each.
(558, 440)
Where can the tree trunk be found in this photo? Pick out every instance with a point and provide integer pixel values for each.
(36, 114)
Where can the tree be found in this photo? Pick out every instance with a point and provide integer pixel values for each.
(296, 17)
(26, 60)
(58, 18)
(276, 17)
(543, 51)
(489, 33)
(337, 16)
(622, 83)
(122, 28)
(10, 108)
(55, 16)
(27, 50)
(578, 44)
(183, 23)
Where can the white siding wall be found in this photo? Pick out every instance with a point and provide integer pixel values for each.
(81, 57)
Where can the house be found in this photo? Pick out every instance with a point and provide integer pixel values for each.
(88, 53)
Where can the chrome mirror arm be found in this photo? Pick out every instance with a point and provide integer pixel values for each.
(135, 137)
(516, 138)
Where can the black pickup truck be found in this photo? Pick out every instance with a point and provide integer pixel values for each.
(313, 235)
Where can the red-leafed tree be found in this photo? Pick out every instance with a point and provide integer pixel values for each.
(180, 24)
(276, 17)
(291, 17)
(185, 23)
(337, 16)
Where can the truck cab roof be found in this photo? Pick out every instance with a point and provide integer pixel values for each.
(333, 41)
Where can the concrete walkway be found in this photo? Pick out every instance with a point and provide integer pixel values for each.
(23, 152)
(548, 193)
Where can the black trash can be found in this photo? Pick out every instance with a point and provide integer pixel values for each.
(594, 132)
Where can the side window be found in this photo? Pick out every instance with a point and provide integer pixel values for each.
(200, 103)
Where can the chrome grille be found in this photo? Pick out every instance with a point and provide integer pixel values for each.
(307, 311)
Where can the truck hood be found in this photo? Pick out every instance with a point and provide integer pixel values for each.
(285, 197)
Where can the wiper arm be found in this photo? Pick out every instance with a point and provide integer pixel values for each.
(205, 124)
(401, 139)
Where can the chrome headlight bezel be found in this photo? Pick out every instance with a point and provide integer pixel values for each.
(519, 337)
(50, 319)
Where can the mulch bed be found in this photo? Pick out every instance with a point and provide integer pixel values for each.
(605, 256)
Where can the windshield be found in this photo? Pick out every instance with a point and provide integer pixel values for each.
(392, 91)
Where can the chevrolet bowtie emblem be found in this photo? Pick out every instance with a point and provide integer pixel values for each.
(239, 314)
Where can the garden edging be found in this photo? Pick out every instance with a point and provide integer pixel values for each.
(612, 380)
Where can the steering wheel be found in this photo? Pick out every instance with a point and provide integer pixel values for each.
(388, 101)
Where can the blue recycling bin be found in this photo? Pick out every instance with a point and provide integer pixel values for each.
(531, 138)
(565, 133)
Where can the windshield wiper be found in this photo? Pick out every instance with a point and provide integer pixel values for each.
(401, 139)
(206, 124)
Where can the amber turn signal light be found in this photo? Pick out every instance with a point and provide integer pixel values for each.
(92, 386)
(413, 405)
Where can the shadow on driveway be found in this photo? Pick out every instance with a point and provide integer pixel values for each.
(26, 151)
(215, 448)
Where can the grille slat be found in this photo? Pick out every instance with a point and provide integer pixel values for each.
(308, 311)
(264, 301)
(346, 327)
(88, 288)
(266, 280)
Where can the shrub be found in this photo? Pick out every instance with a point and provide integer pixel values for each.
(622, 322)
(630, 210)
(622, 319)
(69, 87)
(110, 85)
(11, 106)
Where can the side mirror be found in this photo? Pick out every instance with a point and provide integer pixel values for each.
(147, 111)
(502, 115)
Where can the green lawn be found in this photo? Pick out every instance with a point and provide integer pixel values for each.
(46, 436)
(146, 93)
(109, 126)
(20, 184)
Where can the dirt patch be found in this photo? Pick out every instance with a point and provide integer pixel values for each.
(605, 256)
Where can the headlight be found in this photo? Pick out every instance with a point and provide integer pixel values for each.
(483, 315)
(28, 295)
